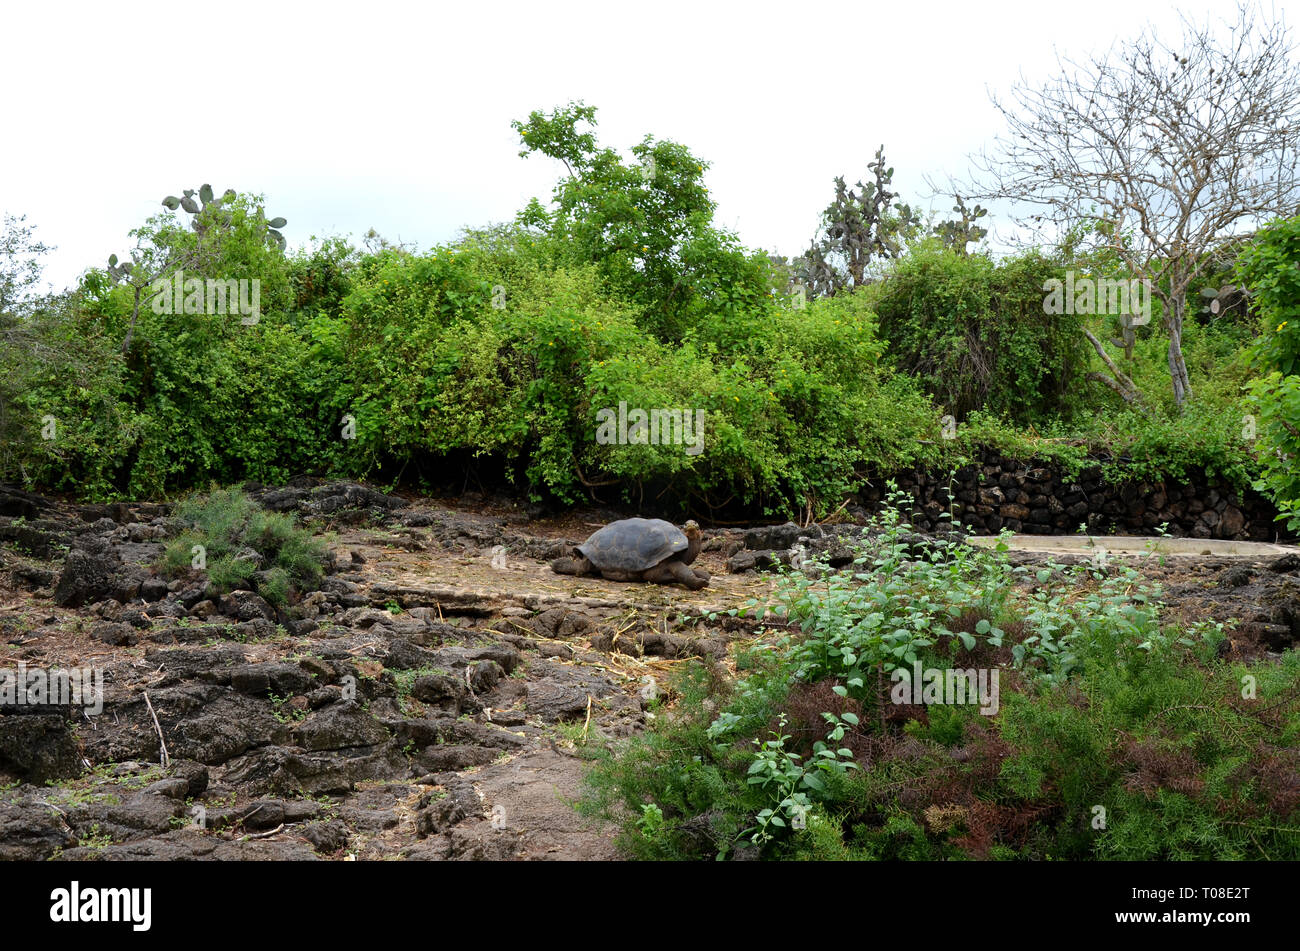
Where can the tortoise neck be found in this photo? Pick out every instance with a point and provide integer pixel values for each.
(692, 546)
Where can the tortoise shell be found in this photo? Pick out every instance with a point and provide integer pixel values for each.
(633, 544)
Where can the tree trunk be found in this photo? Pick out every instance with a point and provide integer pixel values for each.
(135, 315)
(857, 268)
(1120, 382)
(1177, 365)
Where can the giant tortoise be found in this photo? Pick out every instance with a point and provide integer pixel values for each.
(639, 549)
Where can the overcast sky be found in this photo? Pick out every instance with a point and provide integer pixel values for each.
(397, 116)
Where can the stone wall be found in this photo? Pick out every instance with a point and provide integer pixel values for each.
(1035, 497)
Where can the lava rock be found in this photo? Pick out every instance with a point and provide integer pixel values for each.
(153, 589)
(1286, 563)
(247, 606)
(37, 747)
(339, 727)
(441, 690)
(88, 573)
(1235, 576)
(772, 537)
(31, 832)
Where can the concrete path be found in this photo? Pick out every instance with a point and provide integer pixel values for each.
(1140, 545)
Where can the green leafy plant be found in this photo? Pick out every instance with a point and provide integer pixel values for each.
(1269, 268)
(1104, 704)
(238, 539)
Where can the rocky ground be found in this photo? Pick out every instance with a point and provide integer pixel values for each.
(433, 700)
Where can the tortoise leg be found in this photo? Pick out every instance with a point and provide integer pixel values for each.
(680, 572)
(574, 564)
(658, 574)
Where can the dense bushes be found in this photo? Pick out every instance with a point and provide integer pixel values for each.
(487, 348)
(66, 422)
(490, 348)
(195, 397)
(1270, 268)
(499, 350)
(504, 346)
(975, 334)
(1152, 438)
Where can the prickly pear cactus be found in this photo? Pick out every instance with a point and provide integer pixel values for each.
(206, 203)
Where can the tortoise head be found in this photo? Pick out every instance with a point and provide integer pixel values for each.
(693, 539)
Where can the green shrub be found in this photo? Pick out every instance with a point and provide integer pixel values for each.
(238, 537)
(646, 227)
(490, 349)
(975, 333)
(66, 421)
(1270, 268)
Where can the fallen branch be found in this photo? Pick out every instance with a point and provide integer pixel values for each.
(267, 835)
(166, 760)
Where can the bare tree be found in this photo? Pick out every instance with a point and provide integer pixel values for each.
(1161, 153)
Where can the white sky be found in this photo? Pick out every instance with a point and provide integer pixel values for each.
(397, 116)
